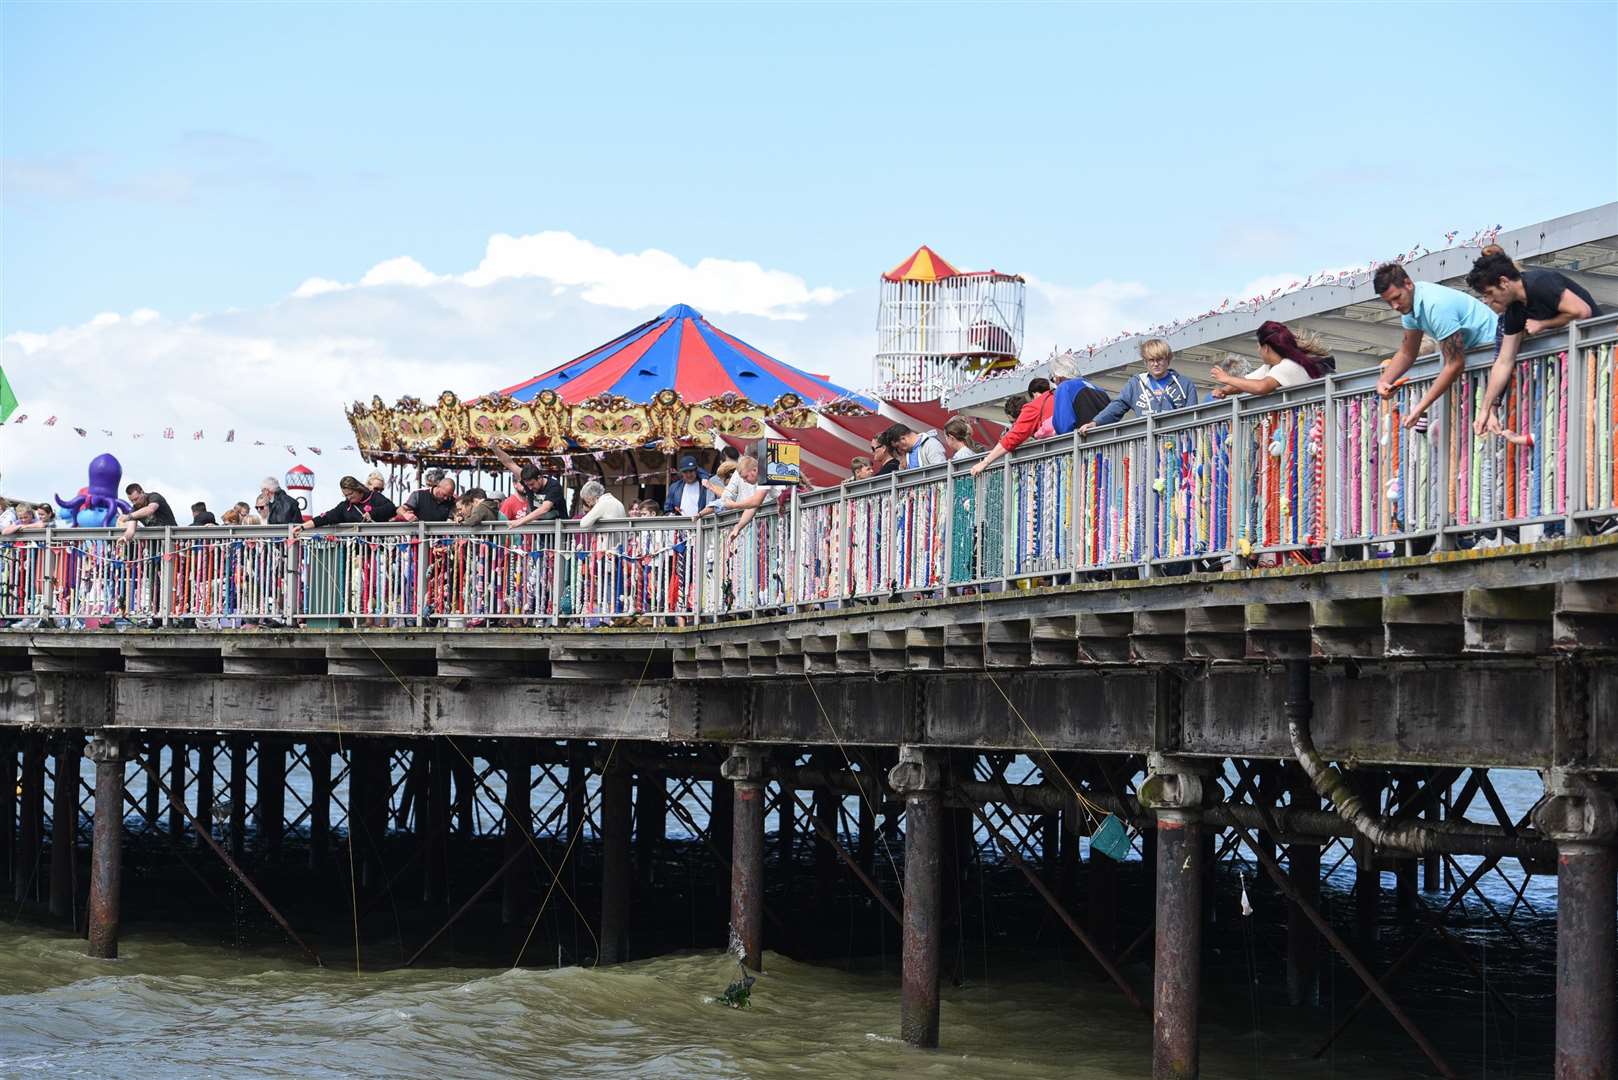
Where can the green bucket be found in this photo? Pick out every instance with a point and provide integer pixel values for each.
(1111, 839)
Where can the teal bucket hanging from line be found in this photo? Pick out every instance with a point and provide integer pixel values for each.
(1111, 839)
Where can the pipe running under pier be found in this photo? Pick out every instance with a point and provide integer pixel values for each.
(745, 770)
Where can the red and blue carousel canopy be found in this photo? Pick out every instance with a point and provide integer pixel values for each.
(680, 351)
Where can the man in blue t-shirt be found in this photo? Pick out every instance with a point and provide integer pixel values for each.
(1456, 321)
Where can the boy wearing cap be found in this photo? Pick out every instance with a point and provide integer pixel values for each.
(689, 495)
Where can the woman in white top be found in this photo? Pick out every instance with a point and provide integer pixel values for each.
(1288, 362)
(602, 505)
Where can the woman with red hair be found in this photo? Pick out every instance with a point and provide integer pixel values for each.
(1288, 361)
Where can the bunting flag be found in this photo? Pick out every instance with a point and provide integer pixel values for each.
(8, 400)
(168, 433)
(230, 436)
(81, 432)
(196, 436)
(50, 421)
(199, 435)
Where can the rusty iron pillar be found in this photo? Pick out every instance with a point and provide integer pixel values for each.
(31, 827)
(65, 824)
(1303, 867)
(919, 778)
(616, 873)
(1175, 792)
(519, 826)
(318, 752)
(107, 846)
(745, 768)
(1582, 818)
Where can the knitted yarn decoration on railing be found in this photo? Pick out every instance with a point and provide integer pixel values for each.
(1601, 428)
(919, 533)
(1283, 501)
(1040, 513)
(977, 527)
(242, 579)
(1500, 479)
(1110, 494)
(870, 524)
(755, 565)
(1192, 491)
(821, 540)
(1387, 474)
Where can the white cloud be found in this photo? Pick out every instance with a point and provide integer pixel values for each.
(282, 374)
(645, 279)
(401, 271)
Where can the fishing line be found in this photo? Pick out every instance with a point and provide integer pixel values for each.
(555, 875)
(858, 782)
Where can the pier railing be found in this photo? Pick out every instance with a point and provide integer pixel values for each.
(1322, 471)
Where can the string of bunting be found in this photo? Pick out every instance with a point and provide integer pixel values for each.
(1230, 305)
(168, 434)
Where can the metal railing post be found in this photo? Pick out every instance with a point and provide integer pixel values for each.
(556, 572)
(1445, 418)
(1328, 450)
(165, 581)
(1073, 508)
(843, 569)
(289, 577)
(794, 588)
(1149, 503)
(1006, 531)
(699, 570)
(422, 562)
(1239, 467)
(1575, 448)
(948, 504)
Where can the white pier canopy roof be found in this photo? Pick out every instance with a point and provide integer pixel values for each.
(1359, 328)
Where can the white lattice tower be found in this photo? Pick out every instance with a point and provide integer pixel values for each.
(938, 327)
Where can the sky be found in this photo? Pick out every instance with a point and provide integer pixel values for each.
(246, 216)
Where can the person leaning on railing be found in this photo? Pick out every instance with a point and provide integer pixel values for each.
(1455, 320)
(1288, 361)
(360, 505)
(1157, 389)
(146, 508)
(543, 494)
(1027, 412)
(1527, 302)
(600, 505)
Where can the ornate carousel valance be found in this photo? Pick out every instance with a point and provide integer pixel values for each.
(452, 431)
(672, 382)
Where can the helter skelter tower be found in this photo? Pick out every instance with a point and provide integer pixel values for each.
(938, 327)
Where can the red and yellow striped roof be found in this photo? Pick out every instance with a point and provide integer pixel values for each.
(925, 265)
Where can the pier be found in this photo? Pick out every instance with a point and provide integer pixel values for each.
(934, 659)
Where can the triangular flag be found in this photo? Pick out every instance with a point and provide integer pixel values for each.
(80, 431)
(230, 436)
(8, 400)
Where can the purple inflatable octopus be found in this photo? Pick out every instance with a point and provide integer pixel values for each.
(98, 504)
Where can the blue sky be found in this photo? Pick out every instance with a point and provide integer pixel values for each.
(191, 158)
(191, 191)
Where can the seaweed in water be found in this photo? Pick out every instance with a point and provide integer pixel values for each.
(739, 994)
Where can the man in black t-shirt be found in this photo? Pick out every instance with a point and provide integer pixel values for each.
(435, 502)
(1528, 302)
(544, 494)
(147, 508)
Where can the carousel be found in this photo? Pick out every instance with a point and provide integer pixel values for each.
(621, 413)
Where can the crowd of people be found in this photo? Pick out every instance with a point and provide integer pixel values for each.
(1508, 304)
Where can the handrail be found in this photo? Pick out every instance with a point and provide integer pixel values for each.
(1326, 470)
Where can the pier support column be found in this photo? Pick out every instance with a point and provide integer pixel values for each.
(65, 823)
(433, 828)
(319, 755)
(1367, 878)
(576, 810)
(919, 779)
(1175, 791)
(205, 807)
(616, 817)
(722, 828)
(272, 795)
(744, 769)
(154, 769)
(177, 788)
(519, 824)
(8, 805)
(464, 769)
(1303, 870)
(1583, 820)
(651, 822)
(238, 795)
(32, 826)
(107, 846)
